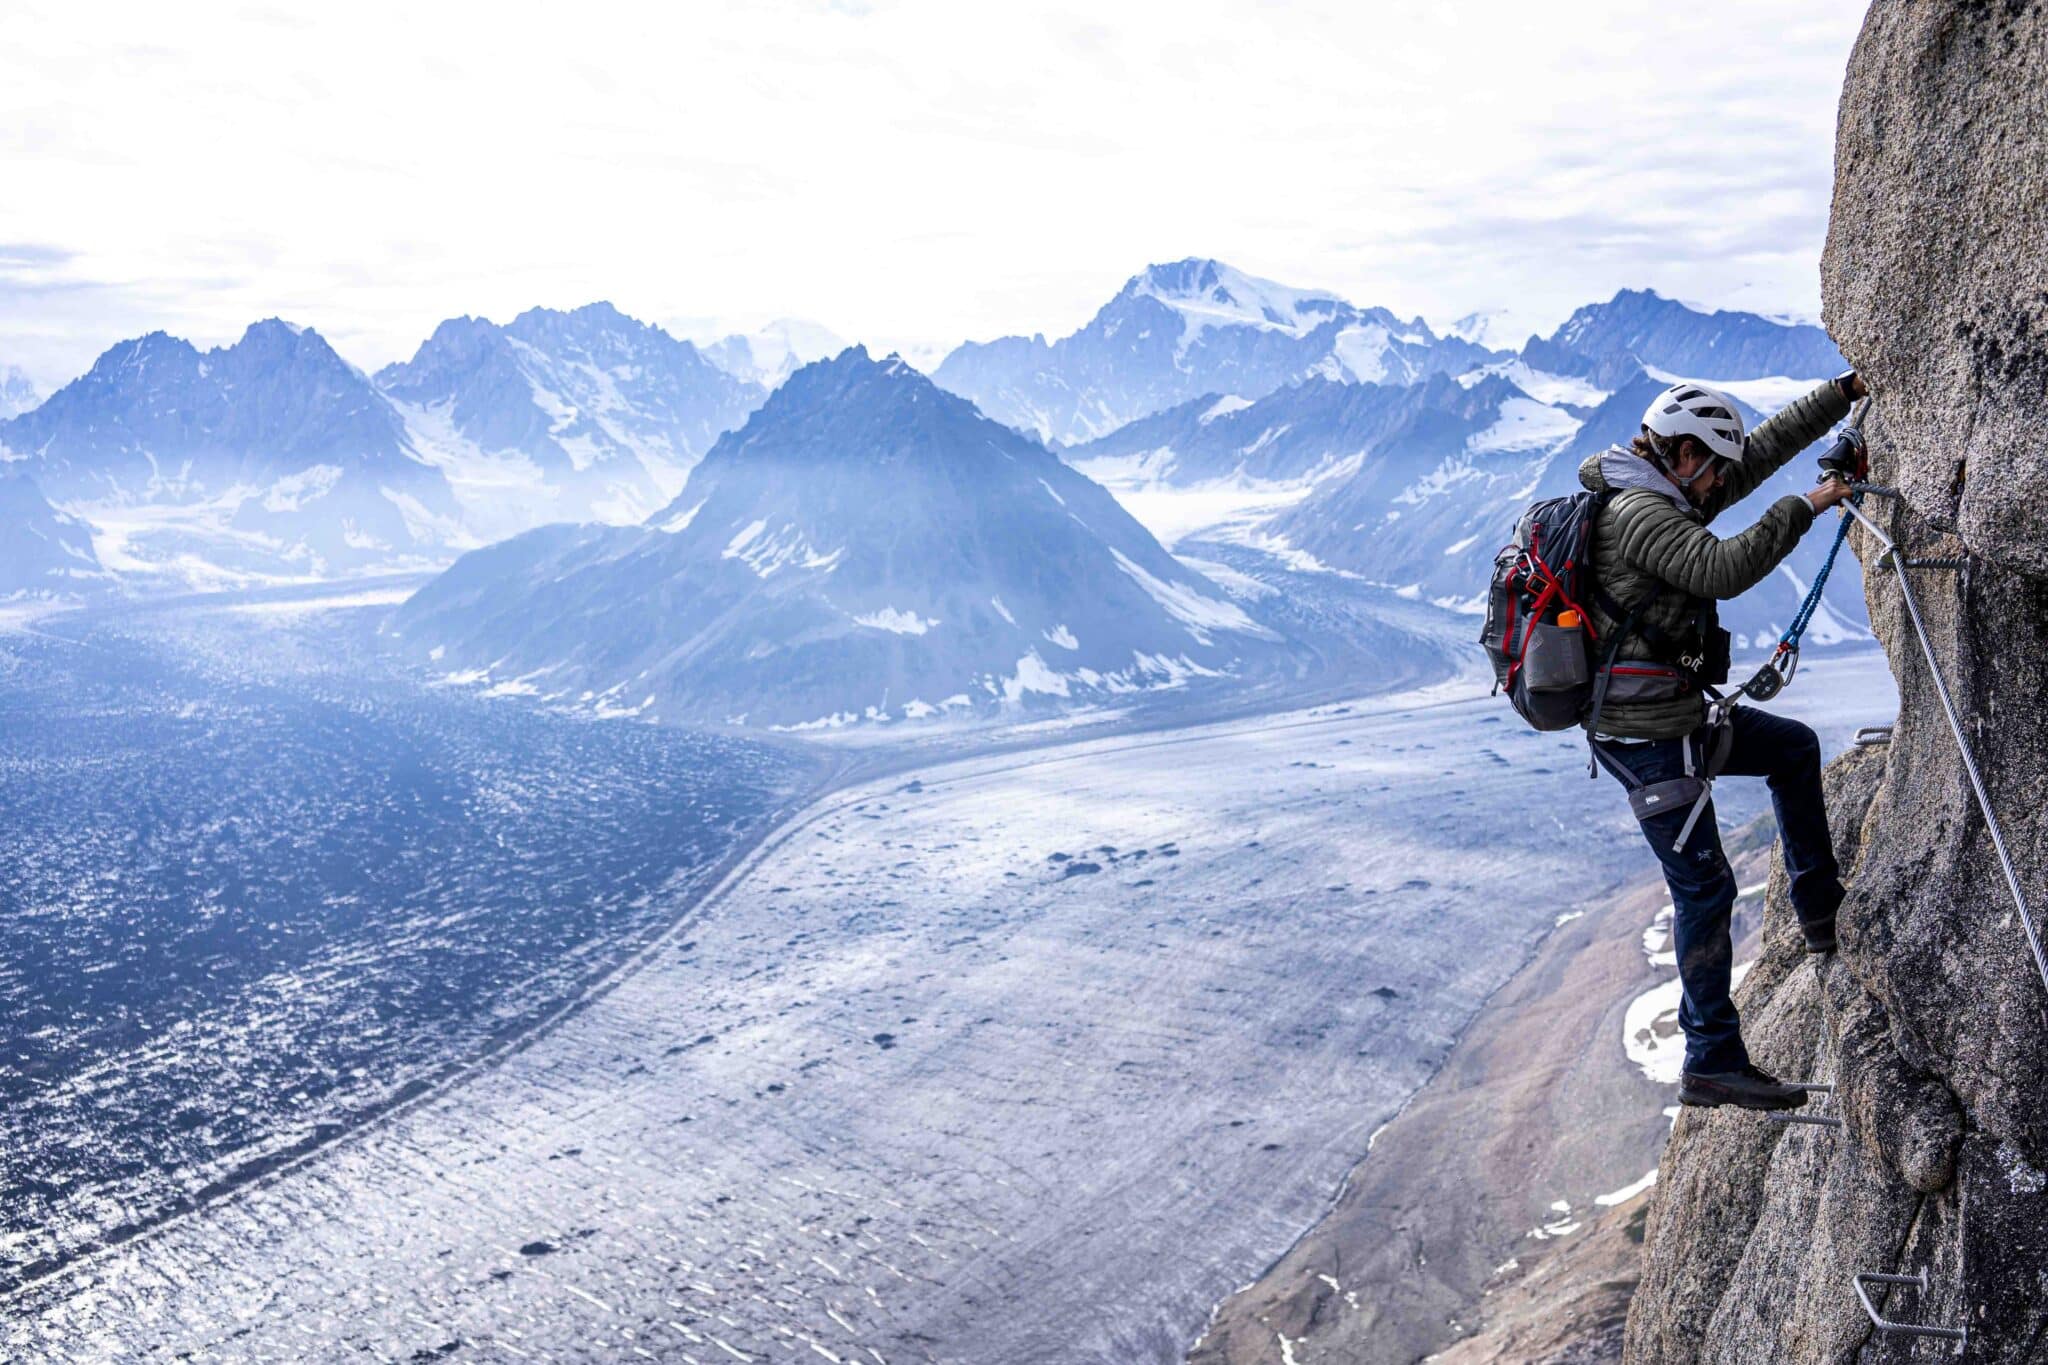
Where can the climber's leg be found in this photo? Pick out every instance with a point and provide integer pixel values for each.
(1702, 896)
(1787, 754)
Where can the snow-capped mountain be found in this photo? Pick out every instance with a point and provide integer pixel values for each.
(1320, 428)
(271, 457)
(575, 415)
(772, 353)
(1638, 328)
(18, 392)
(867, 548)
(1428, 520)
(1179, 331)
(43, 552)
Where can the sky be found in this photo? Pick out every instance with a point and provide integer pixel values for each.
(907, 174)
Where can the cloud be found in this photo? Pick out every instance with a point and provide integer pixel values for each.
(26, 258)
(911, 171)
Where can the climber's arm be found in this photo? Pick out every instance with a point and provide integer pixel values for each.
(1780, 437)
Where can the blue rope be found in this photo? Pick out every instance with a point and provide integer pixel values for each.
(1800, 619)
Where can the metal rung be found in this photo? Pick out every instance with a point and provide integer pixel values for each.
(1811, 1120)
(1959, 1335)
(1937, 563)
(1880, 489)
(1871, 735)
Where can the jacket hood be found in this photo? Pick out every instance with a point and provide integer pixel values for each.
(1618, 469)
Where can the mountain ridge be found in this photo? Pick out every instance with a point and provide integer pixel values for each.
(1181, 329)
(867, 548)
(588, 412)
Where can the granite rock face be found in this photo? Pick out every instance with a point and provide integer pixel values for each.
(1932, 1020)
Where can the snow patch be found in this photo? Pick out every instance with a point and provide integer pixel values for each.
(1033, 675)
(1239, 300)
(1626, 1192)
(1765, 395)
(1362, 351)
(1650, 1034)
(896, 622)
(1540, 385)
(1448, 474)
(1223, 407)
(681, 520)
(1525, 424)
(765, 554)
(294, 491)
(1187, 605)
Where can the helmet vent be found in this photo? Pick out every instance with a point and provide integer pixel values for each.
(1690, 408)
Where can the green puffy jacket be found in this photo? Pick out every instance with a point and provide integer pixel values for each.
(1648, 535)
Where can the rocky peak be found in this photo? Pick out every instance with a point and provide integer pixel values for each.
(855, 385)
(18, 393)
(593, 323)
(1641, 326)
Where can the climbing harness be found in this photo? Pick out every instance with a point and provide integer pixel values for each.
(1900, 564)
(1704, 752)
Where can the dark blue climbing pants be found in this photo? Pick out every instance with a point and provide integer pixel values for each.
(1787, 755)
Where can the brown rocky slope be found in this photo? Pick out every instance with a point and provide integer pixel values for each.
(1932, 1020)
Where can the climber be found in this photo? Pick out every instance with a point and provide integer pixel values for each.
(1658, 572)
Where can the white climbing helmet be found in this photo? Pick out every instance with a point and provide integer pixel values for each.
(1688, 409)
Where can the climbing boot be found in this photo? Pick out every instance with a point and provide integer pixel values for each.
(1820, 935)
(1749, 1088)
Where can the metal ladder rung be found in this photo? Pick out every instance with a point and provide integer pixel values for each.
(1959, 1335)
(1811, 1120)
(1871, 735)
